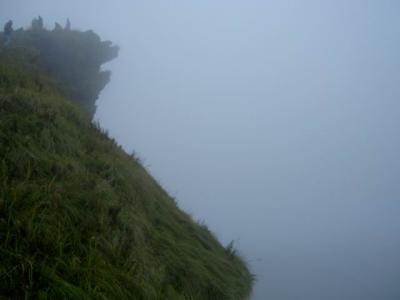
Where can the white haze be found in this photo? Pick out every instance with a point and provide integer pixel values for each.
(276, 122)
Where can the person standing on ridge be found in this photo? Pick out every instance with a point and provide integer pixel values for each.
(8, 30)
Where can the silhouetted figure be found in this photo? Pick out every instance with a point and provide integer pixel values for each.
(40, 22)
(68, 25)
(8, 30)
(37, 23)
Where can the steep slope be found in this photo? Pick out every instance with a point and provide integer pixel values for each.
(81, 219)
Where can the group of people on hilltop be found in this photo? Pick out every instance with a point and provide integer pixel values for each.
(37, 23)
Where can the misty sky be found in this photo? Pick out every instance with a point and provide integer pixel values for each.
(275, 122)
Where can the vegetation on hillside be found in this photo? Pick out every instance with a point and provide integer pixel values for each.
(80, 218)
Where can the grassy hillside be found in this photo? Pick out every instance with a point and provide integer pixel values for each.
(81, 219)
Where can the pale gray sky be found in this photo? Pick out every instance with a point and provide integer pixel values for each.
(276, 122)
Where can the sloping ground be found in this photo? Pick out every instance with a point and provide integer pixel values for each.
(81, 219)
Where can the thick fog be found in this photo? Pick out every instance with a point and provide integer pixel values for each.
(277, 123)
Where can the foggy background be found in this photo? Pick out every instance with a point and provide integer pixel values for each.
(275, 122)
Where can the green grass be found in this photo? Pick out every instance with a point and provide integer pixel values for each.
(82, 219)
